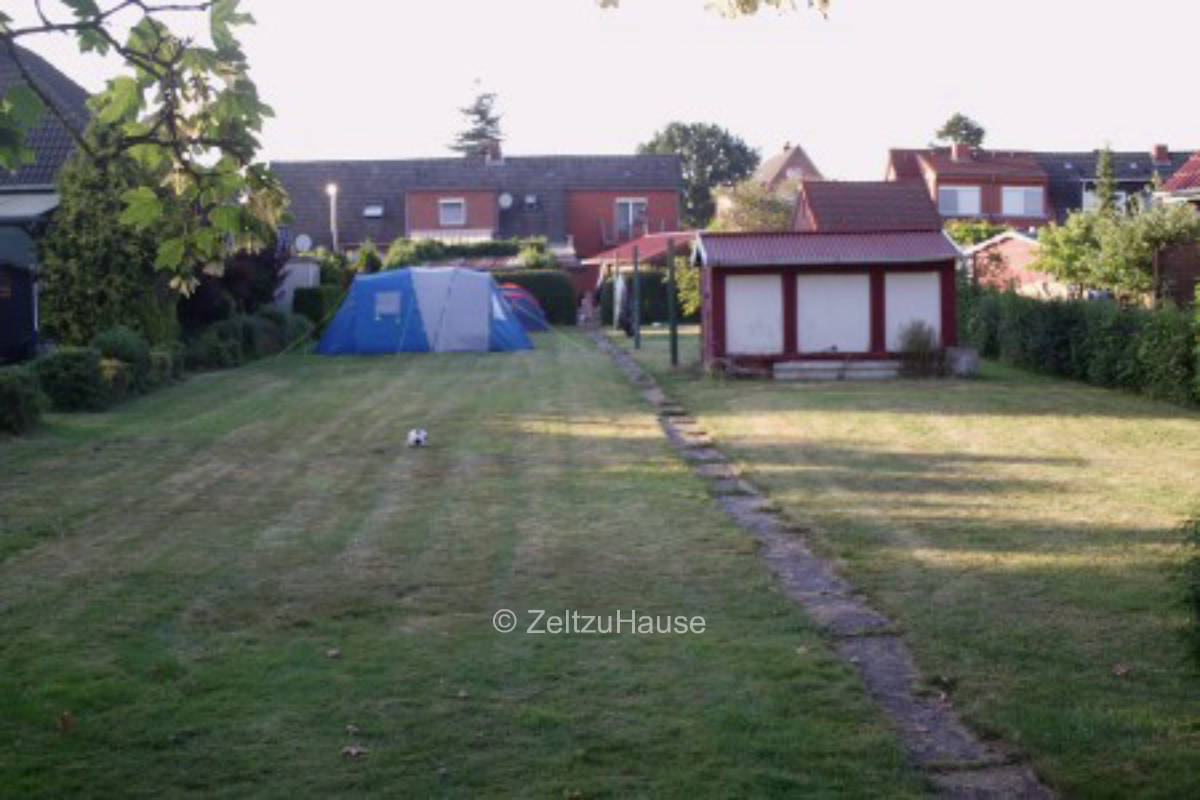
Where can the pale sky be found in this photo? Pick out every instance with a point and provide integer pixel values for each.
(384, 78)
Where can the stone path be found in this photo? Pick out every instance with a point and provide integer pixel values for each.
(955, 761)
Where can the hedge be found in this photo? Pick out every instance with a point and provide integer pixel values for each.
(20, 400)
(1097, 341)
(73, 380)
(653, 299)
(552, 288)
(318, 303)
(245, 337)
(127, 345)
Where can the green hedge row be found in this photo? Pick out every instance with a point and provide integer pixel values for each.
(246, 337)
(21, 400)
(552, 288)
(1097, 341)
(653, 287)
(318, 304)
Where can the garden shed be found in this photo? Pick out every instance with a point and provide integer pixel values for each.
(831, 298)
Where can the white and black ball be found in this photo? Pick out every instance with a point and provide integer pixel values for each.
(418, 437)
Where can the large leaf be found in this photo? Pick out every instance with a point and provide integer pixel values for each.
(143, 208)
(170, 254)
(23, 105)
(121, 100)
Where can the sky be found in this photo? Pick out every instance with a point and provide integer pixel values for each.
(385, 78)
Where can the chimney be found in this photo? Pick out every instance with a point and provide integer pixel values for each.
(492, 152)
(960, 151)
(1161, 154)
(787, 146)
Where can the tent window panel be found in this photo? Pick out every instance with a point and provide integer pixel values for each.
(387, 304)
(497, 309)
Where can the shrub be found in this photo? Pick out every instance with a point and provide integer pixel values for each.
(318, 304)
(552, 288)
(292, 327)
(20, 400)
(124, 344)
(71, 377)
(1164, 347)
(920, 353)
(367, 259)
(652, 297)
(118, 377)
(260, 337)
(536, 254)
(218, 346)
(162, 367)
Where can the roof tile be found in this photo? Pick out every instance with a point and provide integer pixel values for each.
(823, 249)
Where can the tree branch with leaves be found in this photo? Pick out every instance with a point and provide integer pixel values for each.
(186, 110)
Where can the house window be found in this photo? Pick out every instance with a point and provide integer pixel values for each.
(959, 201)
(1091, 201)
(1022, 201)
(452, 212)
(631, 216)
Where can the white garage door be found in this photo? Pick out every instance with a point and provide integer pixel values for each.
(912, 296)
(754, 314)
(833, 313)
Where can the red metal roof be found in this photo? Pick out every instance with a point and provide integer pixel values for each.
(1187, 178)
(864, 207)
(819, 249)
(651, 247)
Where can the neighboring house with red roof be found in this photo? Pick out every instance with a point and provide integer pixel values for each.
(830, 298)
(1023, 189)
(780, 173)
(1184, 184)
(1006, 261)
(28, 196)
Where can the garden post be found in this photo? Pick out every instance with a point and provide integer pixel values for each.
(672, 319)
(637, 302)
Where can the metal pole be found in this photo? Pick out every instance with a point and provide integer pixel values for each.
(637, 303)
(672, 319)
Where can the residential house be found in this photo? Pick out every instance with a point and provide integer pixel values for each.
(779, 173)
(832, 296)
(1023, 189)
(1006, 261)
(1180, 264)
(580, 204)
(28, 197)
(1183, 186)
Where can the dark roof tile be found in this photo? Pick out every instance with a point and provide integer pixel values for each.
(865, 207)
(51, 142)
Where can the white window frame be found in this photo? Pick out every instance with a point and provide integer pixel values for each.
(958, 190)
(630, 202)
(1021, 192)
(1090, 201)
(446, 202)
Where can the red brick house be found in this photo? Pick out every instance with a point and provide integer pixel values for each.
(865, 260)
(1006, 261)
(1184, 184)
(580, 204)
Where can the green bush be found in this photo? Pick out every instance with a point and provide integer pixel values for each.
(218, 346)
(125, 344)
(20, 400)
(71, 377)
(920, 353)
(292, 327)
(1165, 350)
(411, 252)
(260, 337)
(367, 259)
(162, 367)
(552, 288)
(318, 304)
(1098, 341)
(118, 377)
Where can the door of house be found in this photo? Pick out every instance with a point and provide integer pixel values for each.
(18, 339)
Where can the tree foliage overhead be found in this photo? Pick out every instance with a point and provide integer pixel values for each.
(1106, 182)
(482, 126)
(185, 109)
(970, 232)
(961, 129)
(712, 156)
(741, 8)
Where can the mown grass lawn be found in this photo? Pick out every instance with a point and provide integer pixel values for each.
(1023, 532)
(174, 572)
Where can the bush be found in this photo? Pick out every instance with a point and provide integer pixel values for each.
(20, 400)
(71, 377)
(367, 259)
(1098, 341)
(292, 327)
(118, 377)
(920, 353)
(124, 344)
(217, 347)
(410, 252)
(260, 337)
(552, 288)
(318, 304)
(1165, 347)
(162, 367)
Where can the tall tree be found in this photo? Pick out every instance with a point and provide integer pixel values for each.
(1071, 251)
(712, 156)
(186, 107)
(482, 126)
(1106, 182)
(751, 206)
(961, 129)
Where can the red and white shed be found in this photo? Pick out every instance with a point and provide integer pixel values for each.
(865, 262)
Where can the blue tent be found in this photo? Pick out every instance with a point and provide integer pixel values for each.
(526, 307)
(423, 310)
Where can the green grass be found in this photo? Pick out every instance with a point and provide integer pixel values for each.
(1024, 532)
(174, 571)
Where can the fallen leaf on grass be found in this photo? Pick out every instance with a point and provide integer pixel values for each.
(353, 730)
(333, 652)
(1122, 669)
(354, 752)
(66, 722)
(462, 694)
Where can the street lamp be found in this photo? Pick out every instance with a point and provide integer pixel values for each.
(332, 190)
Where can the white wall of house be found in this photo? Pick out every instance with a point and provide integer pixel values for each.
(297, 273)
(833, 313)
(754, 314)
(911, 296)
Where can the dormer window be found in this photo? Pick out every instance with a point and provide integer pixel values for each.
(373, 211)
(1022, 201)
(452, 212)
(959, 201)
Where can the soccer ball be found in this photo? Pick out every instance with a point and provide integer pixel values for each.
(418, 437)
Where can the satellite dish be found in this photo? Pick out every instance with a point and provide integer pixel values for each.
(506, 201)
(304, 243)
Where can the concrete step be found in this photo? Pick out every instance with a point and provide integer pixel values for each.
(836, 370)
